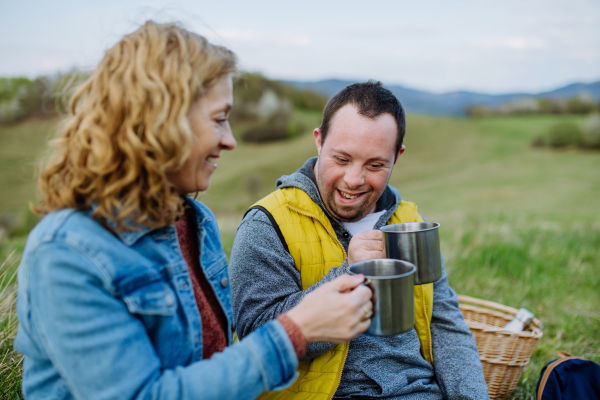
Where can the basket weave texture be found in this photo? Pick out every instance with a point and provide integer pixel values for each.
(503, 354)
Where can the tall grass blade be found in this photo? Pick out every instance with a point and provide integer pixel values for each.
(10, 360)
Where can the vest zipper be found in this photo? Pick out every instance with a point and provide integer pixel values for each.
(329, 231)
(338, 377)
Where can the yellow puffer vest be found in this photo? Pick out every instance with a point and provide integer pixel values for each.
(315, 248)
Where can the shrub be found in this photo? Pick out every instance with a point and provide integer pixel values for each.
(264, 133)
(249, 91)
(474, 111)
(564, 134)
(583, 104)
(21, 98)
(539, 141)
(279, 126)
(11, 87)
(591, 132)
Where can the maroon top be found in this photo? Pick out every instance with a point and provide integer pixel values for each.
(214, 321)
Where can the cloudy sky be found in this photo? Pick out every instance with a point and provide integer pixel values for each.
(488, 46)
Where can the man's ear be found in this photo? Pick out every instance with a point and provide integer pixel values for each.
(402, 148)
(317, 135)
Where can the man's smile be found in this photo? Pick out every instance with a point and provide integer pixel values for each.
(349, 196)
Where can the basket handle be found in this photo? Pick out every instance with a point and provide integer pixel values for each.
(490, 304)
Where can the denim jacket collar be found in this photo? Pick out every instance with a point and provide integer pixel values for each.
(129, 238)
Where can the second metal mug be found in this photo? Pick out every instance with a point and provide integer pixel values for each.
(417, 243)
(392, 283)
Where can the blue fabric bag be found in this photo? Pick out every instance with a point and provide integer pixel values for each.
(569, 378)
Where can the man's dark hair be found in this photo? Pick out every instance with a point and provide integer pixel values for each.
(371, 100)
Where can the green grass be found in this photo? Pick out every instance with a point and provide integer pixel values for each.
(549, 268)
(519, 226)
(10, 360)
(21, 146)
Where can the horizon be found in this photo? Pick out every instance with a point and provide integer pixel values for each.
(591, 82)
(387, 84)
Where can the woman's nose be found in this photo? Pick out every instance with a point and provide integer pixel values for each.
(227, 140)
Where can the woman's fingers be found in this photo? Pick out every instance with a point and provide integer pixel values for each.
(366, 313)
(362, 293)
(363, 326)
(346, 282)
(336, 312)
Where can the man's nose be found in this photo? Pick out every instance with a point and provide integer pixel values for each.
(354, 176)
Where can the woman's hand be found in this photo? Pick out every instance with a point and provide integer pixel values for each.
(336, 312)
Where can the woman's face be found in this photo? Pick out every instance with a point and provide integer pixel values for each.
(211, 134)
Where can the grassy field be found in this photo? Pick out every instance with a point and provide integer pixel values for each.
(519, 226)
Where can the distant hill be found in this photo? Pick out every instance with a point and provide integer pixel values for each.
(451, 103)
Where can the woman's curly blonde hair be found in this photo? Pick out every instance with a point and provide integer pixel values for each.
(128, 127)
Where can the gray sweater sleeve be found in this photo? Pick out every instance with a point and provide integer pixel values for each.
(456, 361)
(264, 280)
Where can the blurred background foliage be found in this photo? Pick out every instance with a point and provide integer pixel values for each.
(562, 134)
(516, 194)
(583, 103)
(43, 97)
(264, 108)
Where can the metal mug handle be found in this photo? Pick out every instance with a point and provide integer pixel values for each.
(368, 283)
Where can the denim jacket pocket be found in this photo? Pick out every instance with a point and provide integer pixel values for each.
(155, 304)
(155, 298)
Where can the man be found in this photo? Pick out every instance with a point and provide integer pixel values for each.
(297, 238)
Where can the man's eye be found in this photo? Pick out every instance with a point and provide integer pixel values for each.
(376, 166)
(341, 160)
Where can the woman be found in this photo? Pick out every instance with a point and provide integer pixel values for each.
(123, 286)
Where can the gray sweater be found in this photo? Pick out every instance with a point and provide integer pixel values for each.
(265, 283)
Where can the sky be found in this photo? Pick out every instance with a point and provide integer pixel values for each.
(440, 46)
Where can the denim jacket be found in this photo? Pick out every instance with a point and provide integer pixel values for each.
(106, 316)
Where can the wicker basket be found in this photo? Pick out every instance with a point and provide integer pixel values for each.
(503, 354)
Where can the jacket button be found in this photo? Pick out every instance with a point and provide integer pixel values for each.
(169, 299)
(224, 281)
(346, 235)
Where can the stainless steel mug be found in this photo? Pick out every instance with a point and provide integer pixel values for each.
(417, 243)
(392, 283)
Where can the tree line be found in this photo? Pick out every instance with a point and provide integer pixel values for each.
(584, 103)
(263, 107)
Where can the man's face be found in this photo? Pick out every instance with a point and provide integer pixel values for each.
(355, 162)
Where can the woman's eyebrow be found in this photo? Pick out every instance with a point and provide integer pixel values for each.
(226, 109)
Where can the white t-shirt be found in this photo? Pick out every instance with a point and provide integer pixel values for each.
(365, 224)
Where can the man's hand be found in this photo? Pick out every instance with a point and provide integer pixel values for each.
(366, 246)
